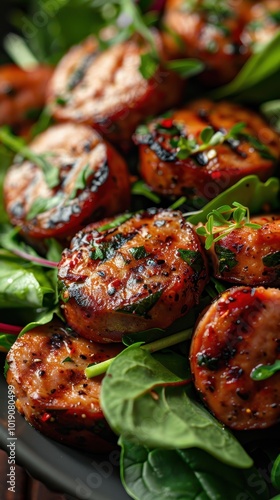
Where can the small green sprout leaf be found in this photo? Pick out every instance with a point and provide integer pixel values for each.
(262, 372)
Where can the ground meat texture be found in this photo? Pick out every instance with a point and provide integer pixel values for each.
(22, 93)
(256, 150)
(46, 369)
(249, 256)
(145, 273)
(107, 91)
(239, 331)
(223, 34)
(93, 183)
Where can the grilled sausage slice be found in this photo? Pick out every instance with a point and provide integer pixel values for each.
(222, 34)
(93, 182)
(46, 369)
(107, 91)
(22, 93)
(249, 256)
(239, 331)
(169, 168)
(144, 273)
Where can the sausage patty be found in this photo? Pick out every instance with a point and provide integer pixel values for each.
(239, 331)
(107, 91)
(22, 93)
(46, 369)
(93, 182)
(170, 168)
(223, 34)
(144, 273)
(250, 256)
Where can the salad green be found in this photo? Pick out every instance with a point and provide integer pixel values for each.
(172, 448)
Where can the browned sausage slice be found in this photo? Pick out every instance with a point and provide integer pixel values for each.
(250, 256)
(239, 331)
(256, 150)
(46, 369)
(93, 183)
(222, 34)
(107, 91)
(145, 273)
(22, 92)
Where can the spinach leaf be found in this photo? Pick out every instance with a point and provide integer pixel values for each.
(260, 66)
(143, 306)
(157, 474)
(6, 341)
(271, 110)
(22, 284)
(249, 191)
(6, 158)
(271, 259)
(226, 258)
(275, 473)
(154, 410)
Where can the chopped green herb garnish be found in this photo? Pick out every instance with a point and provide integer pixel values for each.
(41, 205)
(193, 258)
(138, 252)
(81, 180)
(272, 259)
(68, 360)
(143, 306)
(226, 258)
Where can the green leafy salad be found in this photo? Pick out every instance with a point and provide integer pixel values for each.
(171, 446)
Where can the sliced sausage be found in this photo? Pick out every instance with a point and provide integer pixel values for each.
(47, 370)
(92, 181)
(145, 273)
(250, 256)
(22, 93)
(255, 150)
(107, 91)
(239, 332)
(222, 34)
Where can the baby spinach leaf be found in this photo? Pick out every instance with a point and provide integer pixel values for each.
(249, 191)
(157, 474)
(260, 66)
(151, 412)
(275, 473)
(6, 341)
(22, 284)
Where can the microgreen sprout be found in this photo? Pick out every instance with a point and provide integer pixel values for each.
(209, 139)
(262, 372)
(224, 220)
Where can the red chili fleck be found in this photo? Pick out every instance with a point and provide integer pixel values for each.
(167, 122)
(45, 417)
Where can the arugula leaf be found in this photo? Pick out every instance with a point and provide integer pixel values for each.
(157, 474)
(262, 372)
(152, 413)
(249, 191)
(226, 258)
(143, 306)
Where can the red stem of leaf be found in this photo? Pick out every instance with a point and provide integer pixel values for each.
(32, 258)
(12, 329)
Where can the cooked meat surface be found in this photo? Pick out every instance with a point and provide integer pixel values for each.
(239, 332)
(144, 273)
(46, 369)
(222, 33)
(92, 182)
(107, 90)
(172, 164)
(249, 256)
(22, 93)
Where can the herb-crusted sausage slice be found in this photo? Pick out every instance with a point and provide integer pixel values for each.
(22, 93)
(46, 369)
(250, 256)
(107, 90)
(144, 273)
(222, 33)
(205, 148)
(89, 180)
(239, 332)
